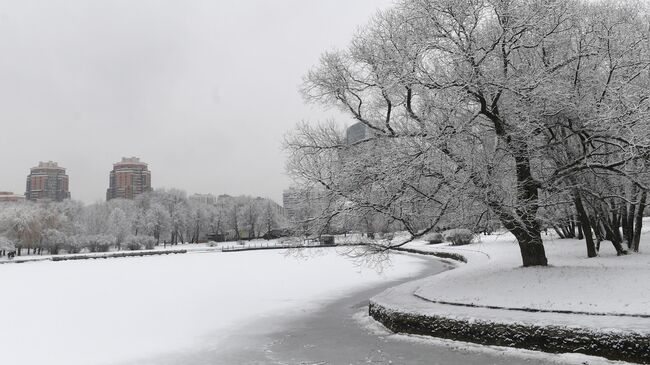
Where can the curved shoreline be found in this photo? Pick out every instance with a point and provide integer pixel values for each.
(632, 347)
(393, 309)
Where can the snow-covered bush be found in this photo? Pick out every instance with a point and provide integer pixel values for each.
(74, 244)
(100, 242)
(211, 244)
(434, 237)
(148, 242)
(459, 236)
(132, 243)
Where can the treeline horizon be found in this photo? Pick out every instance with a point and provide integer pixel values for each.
(158, 217)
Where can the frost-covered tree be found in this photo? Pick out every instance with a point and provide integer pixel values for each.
(54, 240)
(21, 224)
(471, 102)
(6, 245)
(175, 201)
(198, 220)
(157, 221)
(119, 226)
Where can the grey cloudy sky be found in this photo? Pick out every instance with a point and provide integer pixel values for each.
(202, 90)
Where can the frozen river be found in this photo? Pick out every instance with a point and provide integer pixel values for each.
(340, 332)
(132, 310)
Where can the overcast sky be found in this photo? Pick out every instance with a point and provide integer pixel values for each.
(203, 91)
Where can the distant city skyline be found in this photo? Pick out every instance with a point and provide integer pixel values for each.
(203, 91)
(120, 184)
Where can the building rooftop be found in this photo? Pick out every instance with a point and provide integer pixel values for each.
(48, 165)
(130, 161)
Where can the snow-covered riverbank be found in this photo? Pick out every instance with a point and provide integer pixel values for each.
(597, 306)
(607, 284)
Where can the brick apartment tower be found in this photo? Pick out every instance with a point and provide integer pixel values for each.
(47, 181)
(129, 178)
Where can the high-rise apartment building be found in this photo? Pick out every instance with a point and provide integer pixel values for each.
(357, 132)
(303, 203)
(129, 178)
(47, 181)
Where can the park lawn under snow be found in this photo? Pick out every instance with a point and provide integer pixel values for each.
(572, 282)
(117, 310)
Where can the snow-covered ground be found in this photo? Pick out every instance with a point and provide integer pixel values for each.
(572, 282)
(110, 311)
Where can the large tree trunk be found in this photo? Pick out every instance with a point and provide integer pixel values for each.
(638, 221)
(615, 225)
(611, 235)
(586, 227)
(598, 234)
(521, 221)
(580, 234)
(532, 248)
(529, 238)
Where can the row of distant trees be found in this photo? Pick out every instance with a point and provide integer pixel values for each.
(320, 211)
(535, 112)
(158, 217)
